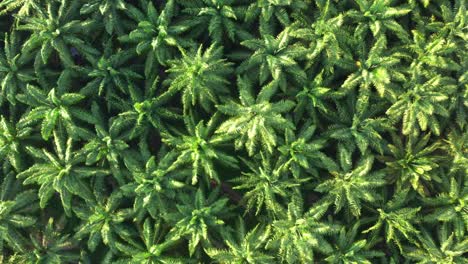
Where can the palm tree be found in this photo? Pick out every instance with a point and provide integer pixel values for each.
(201, 76)
(350, 186)
(313, 98)
(395, 221)
(107, 148)
(326, 40)
(54, 108)
(154, 249)
(298, 234)
(108, 12)
(274, 57)
(63, 173)
(300, 151)
(154, 186)
(144, 111)
(12, 139)
(56, 29)
(413, 162)
(219, 17)
(378, 17)
(269, 12)
(421, 103)
(255, 121)
(446, 249)
(49, 245)
(373, 67)
(357, 123)
(156, 36)
(109, 74)
(200, 149)
(266, 185)
(17, 206)
(243, 247)
(103, 221)
(198, 217)
(349, 250)
(450, 205)
(14, 70)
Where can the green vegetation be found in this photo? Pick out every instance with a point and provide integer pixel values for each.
(233, 131)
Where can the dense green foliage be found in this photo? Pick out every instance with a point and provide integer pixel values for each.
(233, 131)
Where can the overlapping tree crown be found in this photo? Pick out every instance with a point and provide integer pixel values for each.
(233, 131)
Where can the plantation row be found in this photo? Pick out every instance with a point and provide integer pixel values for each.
(233, 131)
